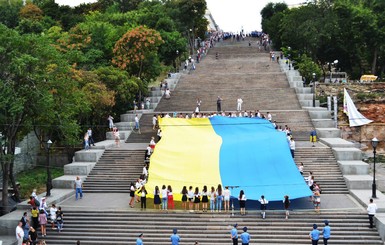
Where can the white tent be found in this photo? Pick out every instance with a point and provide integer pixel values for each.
(355, 117)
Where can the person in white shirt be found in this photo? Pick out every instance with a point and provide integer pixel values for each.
(78, 186)
(292, 146)
(145, 171)
(242, 202)
(269, 117)
(52, 212)
(167, 94)
(43, 205)
(110, 122)
(148, 153)
(264, 203)
(19, 233)
(372, 209)
(152, 144)
(154, 120)
(136, 121)
(239, 104)
(226, 196)
(159, 134)
(164, 197)
(190, 197)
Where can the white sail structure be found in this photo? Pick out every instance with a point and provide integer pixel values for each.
(355, 117)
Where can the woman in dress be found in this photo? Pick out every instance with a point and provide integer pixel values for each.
(157, 198)
(184, 197)
(219, 198)
(197, 199)
(213, 196)
(43, 223)
(132, 194)
(242, 202)
(152, 144)
(170, 198)
(116, 136)
(190, 196)
(205, 199)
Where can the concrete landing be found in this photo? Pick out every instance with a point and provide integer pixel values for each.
(347, 154)
(328, 132)
(9, 221)
(8, 240)
(353, 167)
(363, 196)
(336, 142)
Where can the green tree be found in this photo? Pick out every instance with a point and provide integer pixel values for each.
(31, 72)
(135, 50)
(9, 12)
(308, 68)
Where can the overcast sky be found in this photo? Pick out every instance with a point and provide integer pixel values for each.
(230, 15)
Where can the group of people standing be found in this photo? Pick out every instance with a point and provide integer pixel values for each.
(40, 217)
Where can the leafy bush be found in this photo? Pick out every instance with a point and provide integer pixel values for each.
(365, 96)
(35, 179)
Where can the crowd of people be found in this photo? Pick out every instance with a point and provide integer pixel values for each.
(39, 218)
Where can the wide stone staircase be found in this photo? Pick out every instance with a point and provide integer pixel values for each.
(322, 163)
(114, 171)
(123, 227)
(146, 131)
(242, 72)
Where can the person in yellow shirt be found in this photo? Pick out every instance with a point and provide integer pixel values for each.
(35, 215)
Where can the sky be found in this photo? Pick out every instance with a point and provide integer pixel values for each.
(230, 15)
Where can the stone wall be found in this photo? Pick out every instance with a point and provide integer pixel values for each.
(31, 154)
(370, 101)
(364, 134)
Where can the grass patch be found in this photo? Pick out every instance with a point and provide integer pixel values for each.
(379, 159)
(35, 179)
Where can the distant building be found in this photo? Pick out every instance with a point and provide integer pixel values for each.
(212, 26)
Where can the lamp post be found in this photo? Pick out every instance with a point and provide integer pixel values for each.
(49, 178)
(374, 145)
(177, 61)
(314, 89)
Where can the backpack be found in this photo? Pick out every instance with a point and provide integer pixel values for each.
(37, 203)
(22, 220)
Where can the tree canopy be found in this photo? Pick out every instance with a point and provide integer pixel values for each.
(64, 69)
(350, 31)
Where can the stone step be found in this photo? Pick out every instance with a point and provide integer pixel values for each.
(115, 227)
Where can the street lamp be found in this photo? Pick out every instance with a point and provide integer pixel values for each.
(49, 178)
(177, 61)
(374, 145)
(314, 89)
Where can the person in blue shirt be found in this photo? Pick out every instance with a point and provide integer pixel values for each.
(326, 232)
(175, 239)
(313, 136)
(314, 235)
(139, 241)
(245, 237)
(234, 234)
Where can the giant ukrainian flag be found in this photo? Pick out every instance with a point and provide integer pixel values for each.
(243, 153)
